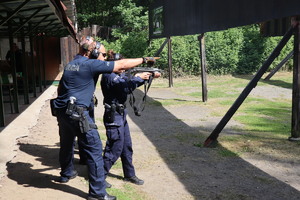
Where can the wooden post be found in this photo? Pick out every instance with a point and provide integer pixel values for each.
(279, 65)
(295, 132)
(161, 48)
(212, 139)
(170, 62)
(203, 67)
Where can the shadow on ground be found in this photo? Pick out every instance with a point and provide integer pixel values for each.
(25, 173)
(272, 81)
(207, 173)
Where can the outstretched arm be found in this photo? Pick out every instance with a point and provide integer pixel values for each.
(124, 64)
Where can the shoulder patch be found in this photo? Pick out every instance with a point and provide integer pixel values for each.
(72, 67)
(116, 78)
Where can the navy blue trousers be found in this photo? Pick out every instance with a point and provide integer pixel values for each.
(91, 146)
(118, 145)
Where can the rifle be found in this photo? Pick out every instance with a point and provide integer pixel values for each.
(140, 107)
(145, 69)
(149, 62)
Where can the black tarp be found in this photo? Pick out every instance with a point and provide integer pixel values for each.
(186, 17)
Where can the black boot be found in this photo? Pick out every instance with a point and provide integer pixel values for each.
(65, 179)
(106, 197)
(134, 180)
(108, 185)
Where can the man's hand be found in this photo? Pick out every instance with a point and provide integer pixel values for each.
(144, 75)
(150, 60)
(157, 74)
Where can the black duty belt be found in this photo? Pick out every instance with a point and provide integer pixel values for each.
(115, 107)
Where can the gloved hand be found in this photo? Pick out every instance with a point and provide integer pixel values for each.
(149, 60)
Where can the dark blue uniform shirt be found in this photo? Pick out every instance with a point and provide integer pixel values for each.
(116, 87)
(78, 80)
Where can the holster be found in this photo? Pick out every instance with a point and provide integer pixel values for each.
(53, 109)
(77, 113)
(84, 124)
(120, 108)
(110, 112)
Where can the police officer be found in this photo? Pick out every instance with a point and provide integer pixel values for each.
(94, 54)
(72, 106)
(115, 88)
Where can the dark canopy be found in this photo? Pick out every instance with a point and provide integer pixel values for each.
(186, 17)
(51, 17)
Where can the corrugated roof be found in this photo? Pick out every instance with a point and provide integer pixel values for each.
(29, 17)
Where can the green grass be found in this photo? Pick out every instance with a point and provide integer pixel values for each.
(262, 115)
(266, 123)
(117, 165)
(127, 192)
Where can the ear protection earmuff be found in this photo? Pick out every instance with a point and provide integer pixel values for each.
(85, 44)
(117, 56)
(96, 51)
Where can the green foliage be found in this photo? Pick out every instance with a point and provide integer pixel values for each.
(256, 49)
(222, 50)
(98, 12)
(130, 39)
(132, 18)
(240, 50)
(185, 54)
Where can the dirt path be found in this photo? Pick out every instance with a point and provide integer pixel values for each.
(165, 156)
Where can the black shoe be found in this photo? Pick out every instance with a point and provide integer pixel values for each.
(134, 180)
(65, 179)
(106, 197)
(108, 185)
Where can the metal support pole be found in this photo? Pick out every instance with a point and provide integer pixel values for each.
(32, 67)
(13, 63)
(212, 139)
(25, 71)
(38, 51)
(43, 61)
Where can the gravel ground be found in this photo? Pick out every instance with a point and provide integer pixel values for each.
(165, 156)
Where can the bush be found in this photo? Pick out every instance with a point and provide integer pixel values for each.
(239, 50)
(222, 50)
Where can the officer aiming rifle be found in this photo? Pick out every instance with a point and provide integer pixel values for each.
(115, 88)
(155, 72)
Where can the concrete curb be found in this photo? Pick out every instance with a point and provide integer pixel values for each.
(20, 127)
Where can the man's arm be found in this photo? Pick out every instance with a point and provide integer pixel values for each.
(124, 64)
